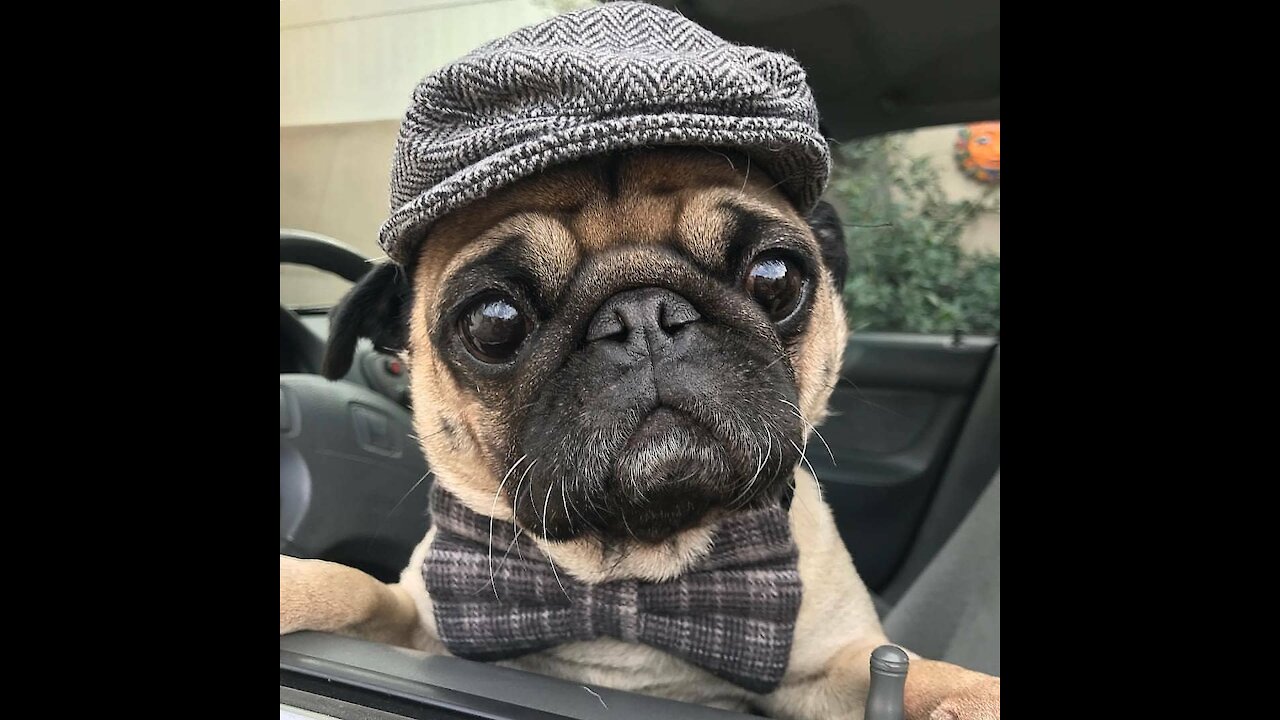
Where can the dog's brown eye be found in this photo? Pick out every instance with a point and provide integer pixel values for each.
(493, 329)
(775, 282)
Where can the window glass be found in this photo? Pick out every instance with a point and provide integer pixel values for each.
(922, 221)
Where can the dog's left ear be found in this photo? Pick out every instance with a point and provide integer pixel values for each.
(830, 234)
(376, 308)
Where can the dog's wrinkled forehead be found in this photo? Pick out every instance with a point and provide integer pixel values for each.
(704, 204)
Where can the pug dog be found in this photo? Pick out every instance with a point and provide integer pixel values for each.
(609, 361)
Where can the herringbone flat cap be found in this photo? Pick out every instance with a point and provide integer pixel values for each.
(619, 75)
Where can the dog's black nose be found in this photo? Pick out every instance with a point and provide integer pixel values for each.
(641, 316)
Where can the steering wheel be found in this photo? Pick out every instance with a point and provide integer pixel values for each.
(353, 482)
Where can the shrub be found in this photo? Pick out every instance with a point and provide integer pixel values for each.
(907, 270)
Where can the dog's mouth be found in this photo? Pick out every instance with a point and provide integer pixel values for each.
(660, 422)
(655, 473)
(671, 474)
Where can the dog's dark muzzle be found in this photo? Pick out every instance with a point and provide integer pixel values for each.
(662, 414)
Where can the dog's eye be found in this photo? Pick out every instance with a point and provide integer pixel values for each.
(493, 329)
(775, 281)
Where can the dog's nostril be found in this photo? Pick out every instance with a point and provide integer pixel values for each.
(636, 312)
(676, 315)
(608, 326)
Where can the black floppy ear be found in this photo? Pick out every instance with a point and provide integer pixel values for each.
(830, 234)
(376, 308)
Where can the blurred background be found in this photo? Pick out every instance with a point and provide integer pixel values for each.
(922, 206)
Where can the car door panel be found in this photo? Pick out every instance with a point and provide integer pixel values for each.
(895, 416)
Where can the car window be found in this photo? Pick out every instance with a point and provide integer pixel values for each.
(922, 223)
(305, 288)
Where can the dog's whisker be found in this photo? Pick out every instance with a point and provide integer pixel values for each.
(564, 500)
(768, 451)
(620, 556)
(746, 491)
(786, 179)
(492, 507)
(556, 575)
(627, 525)
(410, 492)
(573, 507)
(516, 495)
(385, 518)
(803, 505)
(541, 518)
(501, 563)
(526, 406)
(510, 545)
(547, 551)
(812, 429)
(824, 443)
(862, 398)
(816, 482)
(726, 157)
(776, 360)
(515, 499)
(745, 497)
(545, 504)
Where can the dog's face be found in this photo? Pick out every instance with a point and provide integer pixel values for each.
(617, 350)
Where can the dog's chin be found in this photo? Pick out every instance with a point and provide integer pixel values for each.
(672, 475)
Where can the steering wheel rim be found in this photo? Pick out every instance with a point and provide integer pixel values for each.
(322, 252)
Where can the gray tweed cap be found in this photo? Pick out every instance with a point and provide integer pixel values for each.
(619, 75)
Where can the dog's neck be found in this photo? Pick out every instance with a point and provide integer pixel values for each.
(593, 561)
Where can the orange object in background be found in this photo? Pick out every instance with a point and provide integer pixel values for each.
(978, 151)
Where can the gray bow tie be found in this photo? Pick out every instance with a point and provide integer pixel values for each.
(733, 613)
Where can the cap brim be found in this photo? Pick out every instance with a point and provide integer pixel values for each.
(793, 153)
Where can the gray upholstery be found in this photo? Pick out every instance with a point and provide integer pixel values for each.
(883, 607)
(952, 611)
(974, 460)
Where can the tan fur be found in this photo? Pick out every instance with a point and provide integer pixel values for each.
(319, 595)
(666, 196)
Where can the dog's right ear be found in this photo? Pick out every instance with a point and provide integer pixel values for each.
(376, 308)
(829, 232)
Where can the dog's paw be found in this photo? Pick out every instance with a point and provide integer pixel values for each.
(977, 701)
(294, 589)
(318, 595)
(322, 595)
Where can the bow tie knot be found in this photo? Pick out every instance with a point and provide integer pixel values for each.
(610, 609)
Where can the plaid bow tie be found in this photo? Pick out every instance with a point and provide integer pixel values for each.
(733, 613)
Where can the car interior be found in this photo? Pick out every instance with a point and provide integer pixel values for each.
(908, 460)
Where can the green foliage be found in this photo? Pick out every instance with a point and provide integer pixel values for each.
(907, 271)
